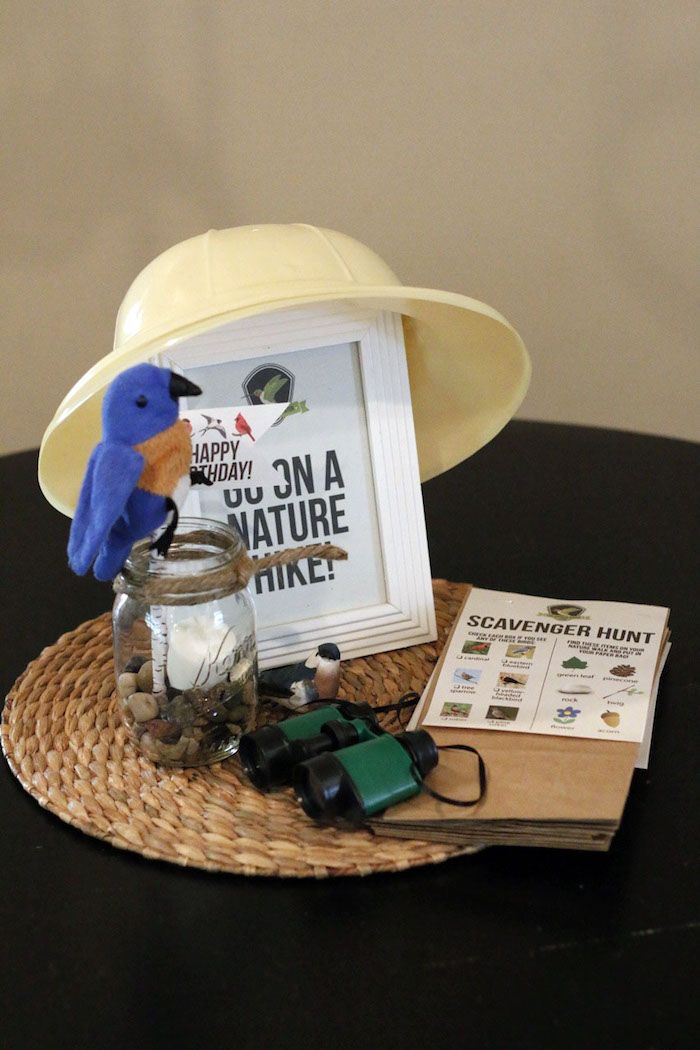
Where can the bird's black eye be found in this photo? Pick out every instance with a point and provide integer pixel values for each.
(141, 401)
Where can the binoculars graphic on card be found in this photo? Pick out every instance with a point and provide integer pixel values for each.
(340, 762)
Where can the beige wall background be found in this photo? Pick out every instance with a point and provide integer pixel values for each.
(533, 154)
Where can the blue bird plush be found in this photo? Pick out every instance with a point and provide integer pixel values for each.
(137, 472)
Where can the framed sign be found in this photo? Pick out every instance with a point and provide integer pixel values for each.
(305, 430)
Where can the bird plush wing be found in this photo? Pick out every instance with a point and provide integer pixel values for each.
(110, 478)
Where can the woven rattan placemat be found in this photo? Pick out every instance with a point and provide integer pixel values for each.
(62, 737)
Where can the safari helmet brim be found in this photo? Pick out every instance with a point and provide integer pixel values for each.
(468, 368)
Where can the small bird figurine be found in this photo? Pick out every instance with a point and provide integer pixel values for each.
(243, 426)
(268, 394)
(137, 474)
(300, 684)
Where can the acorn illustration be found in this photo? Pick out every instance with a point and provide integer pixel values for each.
(623, 670)
(611, 718)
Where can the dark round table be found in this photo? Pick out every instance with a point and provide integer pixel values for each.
(506, 948)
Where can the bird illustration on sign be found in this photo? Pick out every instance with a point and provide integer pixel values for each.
(267, 395)
(273, 385)
(242, 426)
(211, 423)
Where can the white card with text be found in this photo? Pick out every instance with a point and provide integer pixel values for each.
(525, 664)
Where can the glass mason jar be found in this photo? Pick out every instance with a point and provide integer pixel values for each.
(184, 646)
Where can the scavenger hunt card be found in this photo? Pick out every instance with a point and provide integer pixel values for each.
(524, 664)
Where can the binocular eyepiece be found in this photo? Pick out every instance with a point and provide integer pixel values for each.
(342, 765)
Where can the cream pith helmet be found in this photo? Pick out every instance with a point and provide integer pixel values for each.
(468, 368)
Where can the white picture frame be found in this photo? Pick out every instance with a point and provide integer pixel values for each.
(402, 611)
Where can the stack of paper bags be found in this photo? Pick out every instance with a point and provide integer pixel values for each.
(542, 791)
(566, 792)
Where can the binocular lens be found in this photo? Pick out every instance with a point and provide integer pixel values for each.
(317, 786)
(265, 757)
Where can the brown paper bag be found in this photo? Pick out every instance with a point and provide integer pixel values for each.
(545, 790)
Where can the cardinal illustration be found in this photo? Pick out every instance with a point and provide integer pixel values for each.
(137, 474)
(243, 426)
(268, 394)
(212, 424)
(299, 684)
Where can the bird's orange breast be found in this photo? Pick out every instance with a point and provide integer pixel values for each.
(168, 456)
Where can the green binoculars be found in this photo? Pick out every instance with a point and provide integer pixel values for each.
(340, 762)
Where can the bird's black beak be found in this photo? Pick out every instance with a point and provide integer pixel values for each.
(181, 387)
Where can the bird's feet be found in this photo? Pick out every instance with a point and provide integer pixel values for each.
(162, 544)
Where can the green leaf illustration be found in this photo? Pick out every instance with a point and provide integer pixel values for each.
(574, 663)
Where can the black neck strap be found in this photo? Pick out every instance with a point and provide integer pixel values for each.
(408, 700)
(482, 779)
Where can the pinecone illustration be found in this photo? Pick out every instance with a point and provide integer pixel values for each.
(623, 670)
